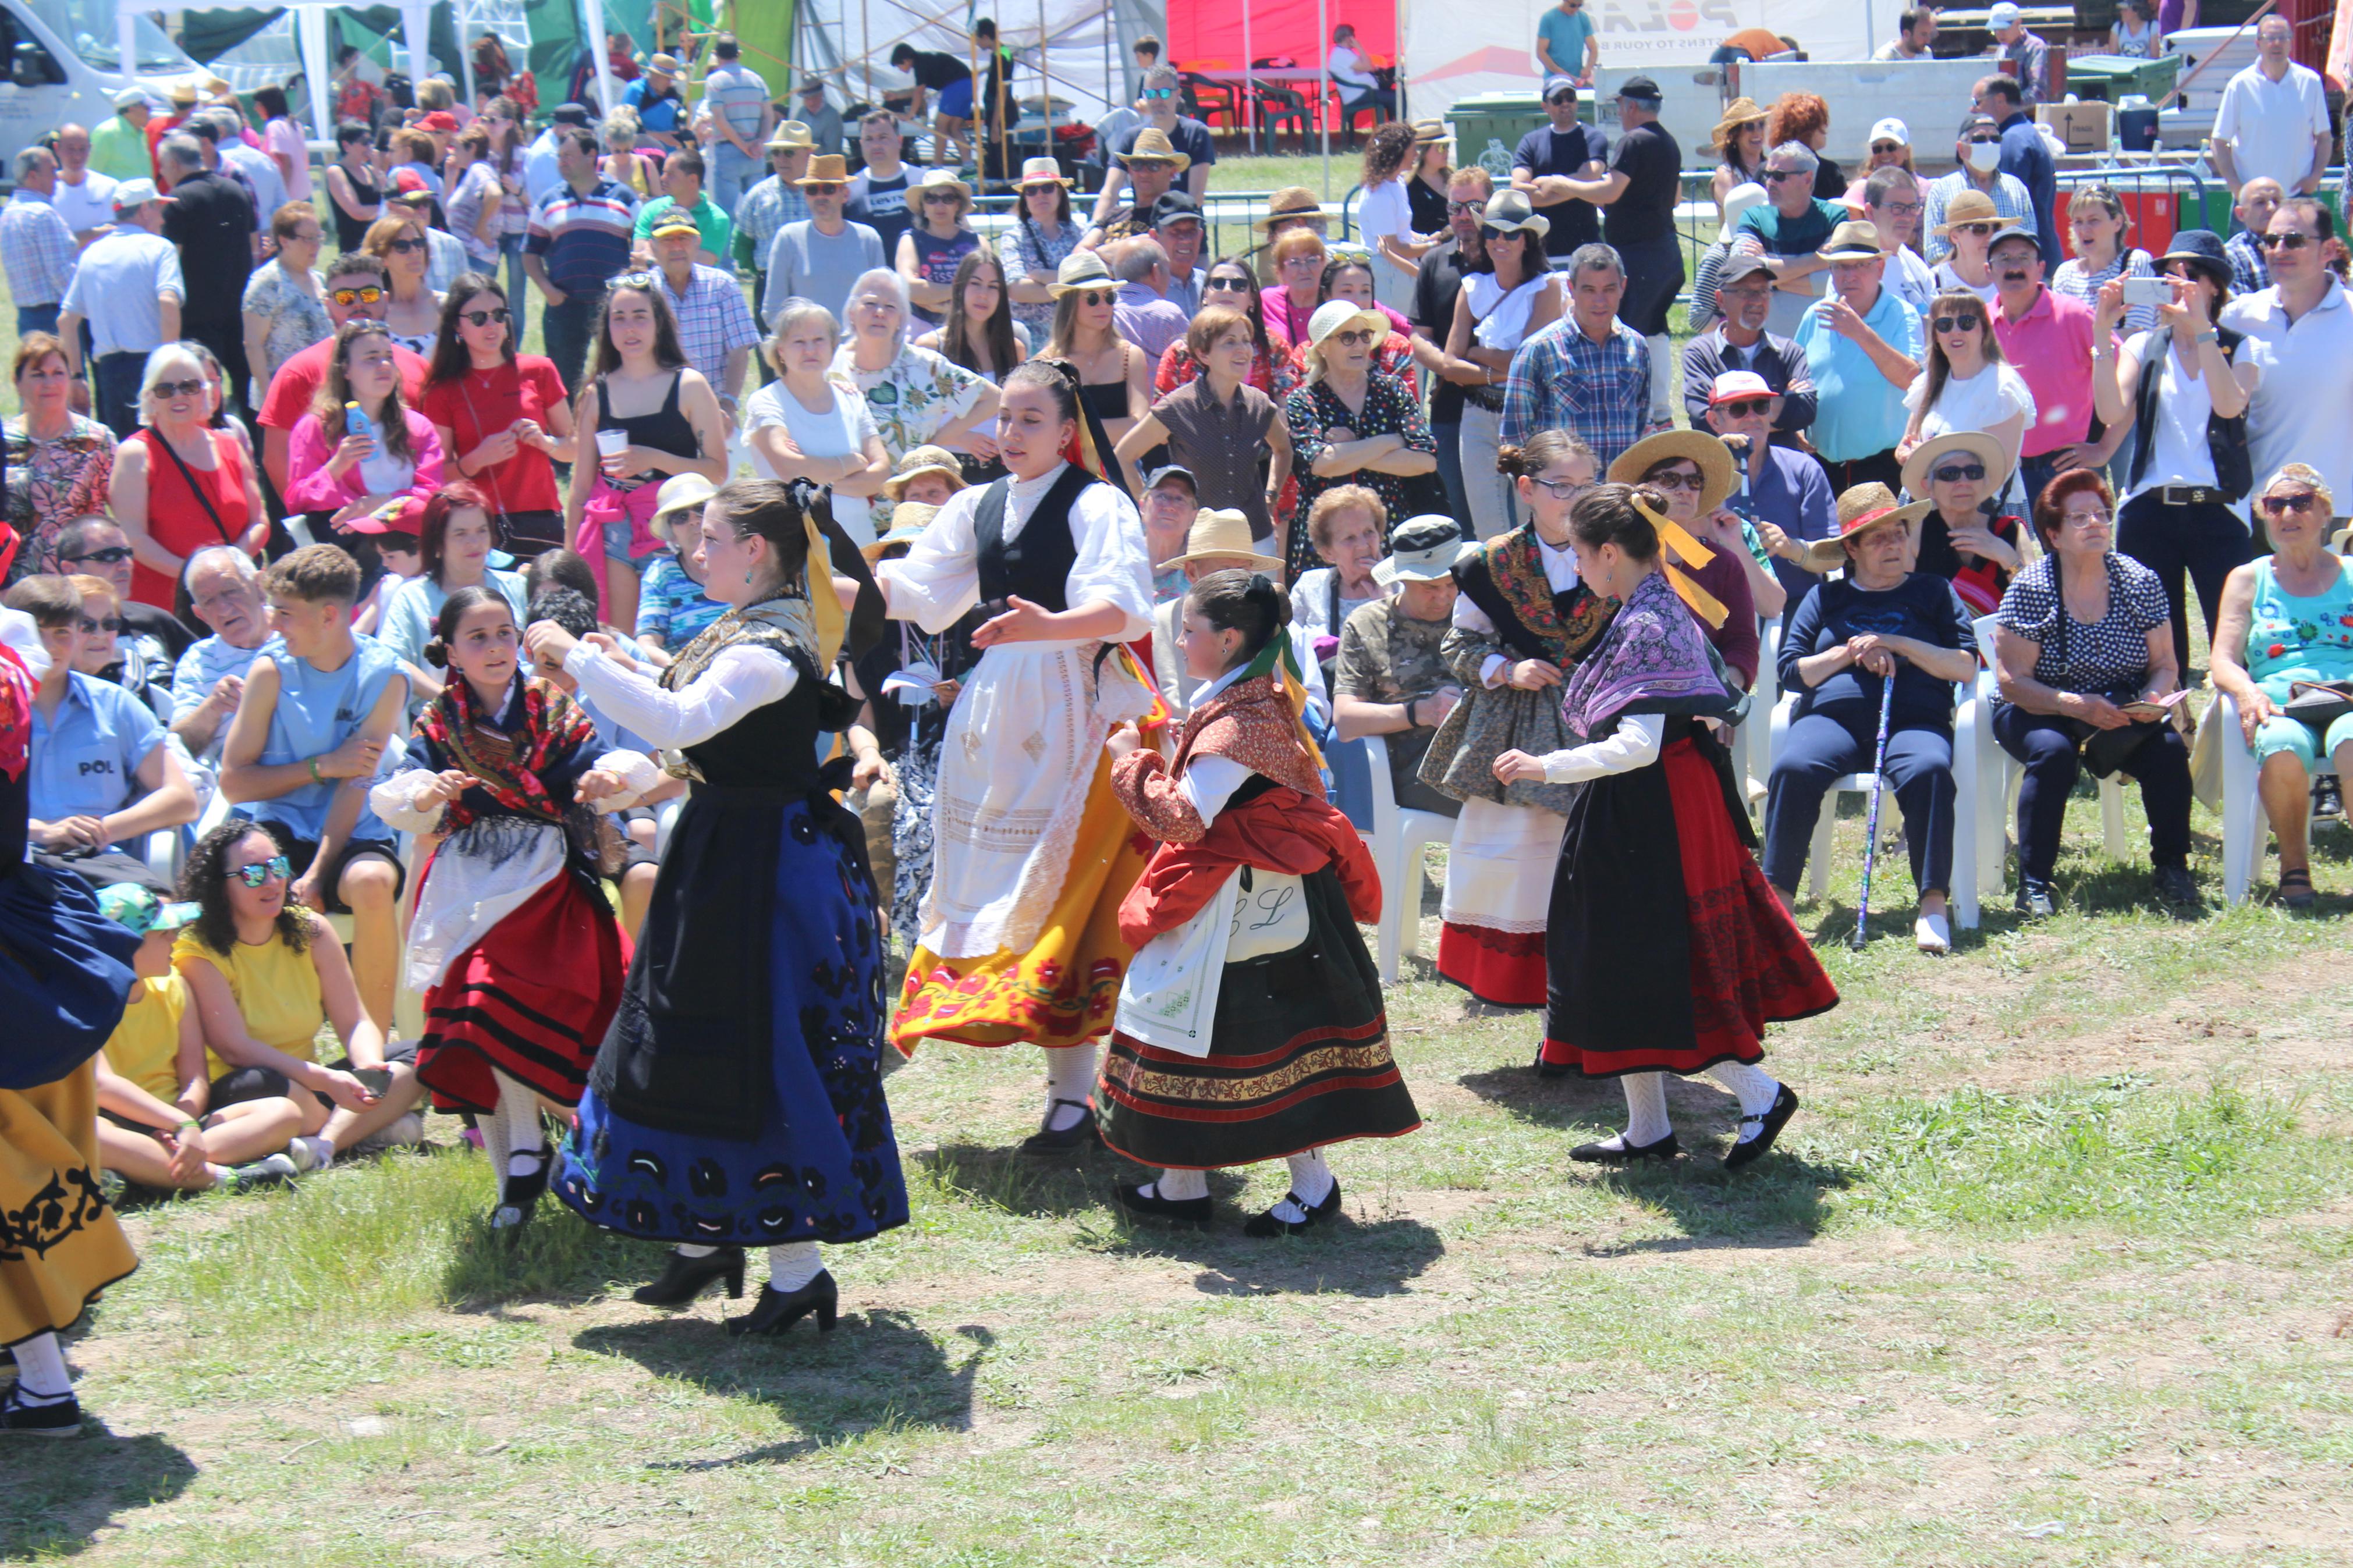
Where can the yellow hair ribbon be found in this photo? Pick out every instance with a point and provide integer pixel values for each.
(825, 605)
(1704, 605)
(1676, 537)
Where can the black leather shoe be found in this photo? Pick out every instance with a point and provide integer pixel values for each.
(2035, 899)
(683, 1278)
(2176, 888)
(1152, 1206)
(1626, 1154)
(1552, 1069)
(1077, 1135)
(1271, 1224)
(59, 1419)
(778, 1310)
(518, 1196)
(1768, 1127)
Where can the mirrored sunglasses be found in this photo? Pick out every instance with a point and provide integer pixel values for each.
(257, 872)
(368, 295)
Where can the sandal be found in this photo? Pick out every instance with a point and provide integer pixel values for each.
(2295, 888)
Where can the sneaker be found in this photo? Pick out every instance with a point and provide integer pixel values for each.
(2328, 796)
(50, 1419)
(275, 1170)
(2035, 899)
(2176, 888)
(405, 1132)
(302, 1154)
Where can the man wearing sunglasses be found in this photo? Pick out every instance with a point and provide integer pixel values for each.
(356, 288)
(1738, 341)
(1436, 283)
(1979, 151)
(212, 222)
(1891, 204)
(2300, 339)
(1784, 492)
(1789, 230)
(94, 547)
(2051, 339)
(1551, 160)
(127, 286)
(715, 330)
(1167, 151)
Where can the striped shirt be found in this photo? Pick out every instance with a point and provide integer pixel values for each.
(713, 321)
(37, 248)
(1561, 379)
(584, 237)
(737, 92)
(2013, 203)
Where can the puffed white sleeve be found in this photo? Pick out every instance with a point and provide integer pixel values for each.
(638, 773)
(1209, 781)
(739, 679)
(1470, 617)
(939, 579)
(1113, 565)
(1634, 744)
(394, 800)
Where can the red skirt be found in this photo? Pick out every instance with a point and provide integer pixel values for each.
(1669, 950)
(532, 999)
(1505, 968)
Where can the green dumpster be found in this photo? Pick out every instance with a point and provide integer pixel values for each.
(2112, 79)
(1488, 128)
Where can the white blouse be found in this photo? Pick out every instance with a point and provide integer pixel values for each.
(740, 678)
(938, 579)
(1210, 781)
(1634, 744)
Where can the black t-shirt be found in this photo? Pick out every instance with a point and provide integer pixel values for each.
(1653, 167)
(936, 70)
(1426, 205)
(1545, 151)
(161, 625)
(1189, 136)
(882, 206)
(1436, 284)
(211, 223)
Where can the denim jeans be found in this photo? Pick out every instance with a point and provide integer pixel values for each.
(35, 319)
(731, 173)
(1450, 473)
(114, 391)
(518, 283)
(2047, 747)
(568, 330)
(2206, 540)
(1818, 748)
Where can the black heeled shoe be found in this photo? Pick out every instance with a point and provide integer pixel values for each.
(1152, 1206)
(1546, 1069)
(683, 1278)
(1626, 1154)
(1271, 1224)
(1768, 1127)
(778, 1310)
(519, 1195)
(1078, 1134)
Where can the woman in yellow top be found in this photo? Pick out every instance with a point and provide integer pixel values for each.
(154, 1088)
(264, 975)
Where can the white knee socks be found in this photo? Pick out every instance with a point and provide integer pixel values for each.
(1179, 1186)
(793, 1265)
(519, 1128)
(1311, 1178)
(1069, 1076)
(693, 1249)
(1646, 1107)
(1758, 1089)
(41, 1371)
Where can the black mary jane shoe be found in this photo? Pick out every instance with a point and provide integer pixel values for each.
(1626, 1154)
(519, 1195)
(55, 1419)
(683, 1278)
(1077, 1135)
(1768, 1127)
(1152, 1206)
(778, 1310)
(1271, 1224)
(1546, 1069)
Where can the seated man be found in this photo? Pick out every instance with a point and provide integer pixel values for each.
(101, 774)
(1785, 495)
(1388, 679)
(95, 545)
(1736, 340)
(309, 733)
(225, 591)
(114, 655)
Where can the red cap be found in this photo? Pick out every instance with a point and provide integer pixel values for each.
(408, 180)
(440, 120)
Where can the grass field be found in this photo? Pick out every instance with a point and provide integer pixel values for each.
(2055, 1269)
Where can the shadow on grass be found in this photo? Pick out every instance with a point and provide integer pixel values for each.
(1036, 1186)
(61, 1497)
(876, 1372)
(1350, 1255)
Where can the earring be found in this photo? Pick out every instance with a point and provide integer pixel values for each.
(747, 577)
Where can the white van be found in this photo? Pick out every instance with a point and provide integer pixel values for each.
(64, 65)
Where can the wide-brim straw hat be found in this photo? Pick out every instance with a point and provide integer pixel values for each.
(1740, 112)
(916, 462)
(1716, 468)
(942, 180)
(1292, 202)
(1861, 510)
(1222, 532)
(1041, 172)
(1431, 132)
(826, 169)
(1511, 212)
(908, 520)
(1152, 145)
(679, 492)
(1991, 450)
(791, 133)
(1969, 207)
(1081, 269)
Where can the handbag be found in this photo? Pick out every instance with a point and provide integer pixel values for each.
(2318, 703)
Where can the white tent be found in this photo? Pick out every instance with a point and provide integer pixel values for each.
(310, 17)
(1083, 43)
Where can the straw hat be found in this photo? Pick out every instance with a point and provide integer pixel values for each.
(1080, 270)
(1216, 531)
(791, 133)
(1717, 472)
(666, 64)
(1041, 172)
(183, 95)
(1152, 146)
(1740, 112)
(1861, 510)
(1853, 239)
(908, 520)
(1969, 207)
(1991, 450)
(1292, 202)
(826, 169)
(679, 492)
(1338, 315)
(917, 461)
(942, 180)
(1429, 132)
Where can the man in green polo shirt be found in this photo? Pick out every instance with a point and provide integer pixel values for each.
(681, 180)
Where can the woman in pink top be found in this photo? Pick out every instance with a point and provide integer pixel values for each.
(347, 469)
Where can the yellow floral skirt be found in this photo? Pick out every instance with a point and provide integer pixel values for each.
(1063, 990)
(60, 1243)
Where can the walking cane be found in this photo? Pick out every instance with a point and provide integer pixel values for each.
(1878, 783)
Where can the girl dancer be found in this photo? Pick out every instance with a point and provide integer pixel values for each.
(1668, 952)
(1031, 853)
(513, 945)
(738, 1098)
(1253, 1028)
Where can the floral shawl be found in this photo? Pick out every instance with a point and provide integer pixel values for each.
(510, 764)
(1652, 660)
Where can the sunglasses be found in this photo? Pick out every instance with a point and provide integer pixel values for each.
(1980, 229)
(1238, 285)
(484, 318)
(1954, 473)
(942, 197)
(827, 189)
(179, 388)
(1466, 207)
(1353, 338)
(90, 628)
(1776, 176)
(1878, 147)
(1097, 297)
(255, 874)
(404, 246)
(2285, 241)
(114, 555)
(2279, 506)
(1745, 408)
(1156, 93)
(1958, 323)
(347, 298)
(1676, 479)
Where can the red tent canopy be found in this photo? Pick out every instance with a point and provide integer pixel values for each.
(1209, 36)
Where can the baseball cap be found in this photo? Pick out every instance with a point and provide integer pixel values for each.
(1736, 384)
(143, 910)
(2005, 15)
(569, 114)
(1737, 266)
(131, 194)
(1642, 88)
(1173, 206)
(2016, 231)
(675, 222)
(1171, 471)
(1555, 85)
(129, 96)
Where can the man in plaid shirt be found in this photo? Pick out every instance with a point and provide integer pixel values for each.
(770, 205)
(37, 248)
(1588, 373)
(715, 330)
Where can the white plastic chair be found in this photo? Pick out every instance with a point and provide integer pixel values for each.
(2244, 831)
(1753, 747)
(1997, 801)
(1398, 837)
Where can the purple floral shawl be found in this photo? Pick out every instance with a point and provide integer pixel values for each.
(1651, 659)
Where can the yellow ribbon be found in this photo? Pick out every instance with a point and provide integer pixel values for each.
(1703, 604)
(1684, 547)
(825, 605)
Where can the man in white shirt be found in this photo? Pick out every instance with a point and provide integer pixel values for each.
(2274, 118)
(127, 286)
(541, 172)
(1359, 89)
(1915, 31)
(84, 197)
(2299, 334)
(1892, 202)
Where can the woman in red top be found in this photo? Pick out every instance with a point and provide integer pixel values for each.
(180, 484)
(500, 415)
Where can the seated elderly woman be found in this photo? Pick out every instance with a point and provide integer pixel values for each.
(2083, 654)
(2286, 620)
(1845, 641)
(1963, 537)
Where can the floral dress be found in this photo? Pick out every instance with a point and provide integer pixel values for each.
(51, 483)
(297, 317)
(920, 394)
(1390, 409)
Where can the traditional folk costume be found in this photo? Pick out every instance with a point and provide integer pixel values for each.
(738, 1097)
(65, 973)
(1032, 852)
(513, 945)
(1668, 952)
(1520, 599)
(1251, 1026)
